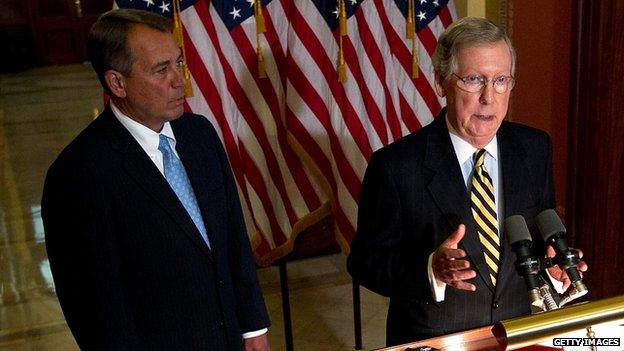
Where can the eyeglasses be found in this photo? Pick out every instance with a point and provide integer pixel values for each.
(475, 83)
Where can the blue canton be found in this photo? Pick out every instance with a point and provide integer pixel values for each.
(232, 12)
(424, 10)
(163, 7)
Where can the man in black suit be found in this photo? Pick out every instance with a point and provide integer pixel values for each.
(144, 229)
(424, 237)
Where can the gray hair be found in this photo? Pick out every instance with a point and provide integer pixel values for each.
(107, 42)
(467, 32)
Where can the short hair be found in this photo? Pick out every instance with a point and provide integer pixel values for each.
(107, 42)
(467, 32)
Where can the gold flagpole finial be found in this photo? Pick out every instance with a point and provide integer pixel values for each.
(342, 69)
(260, 25)
(261, 67)
(342, 23)
(342, 17)
(178, 36)
(415, 68)
(409, 25)
(260, 28)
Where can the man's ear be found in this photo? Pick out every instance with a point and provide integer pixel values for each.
(116, 83)
(439, 87)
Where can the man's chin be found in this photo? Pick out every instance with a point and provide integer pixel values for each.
(175, 114)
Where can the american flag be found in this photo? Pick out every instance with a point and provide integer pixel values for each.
(299, 140)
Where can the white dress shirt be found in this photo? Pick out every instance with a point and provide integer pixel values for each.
(149, 140)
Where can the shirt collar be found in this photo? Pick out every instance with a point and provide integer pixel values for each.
(464, 150)
(147, 138)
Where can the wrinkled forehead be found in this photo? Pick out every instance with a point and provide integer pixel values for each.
(495, 55)
(149, 46)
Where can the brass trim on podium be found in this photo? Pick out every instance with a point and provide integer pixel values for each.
(525, 331)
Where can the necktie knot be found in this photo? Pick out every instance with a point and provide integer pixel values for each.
(163, 145)
(479, 158)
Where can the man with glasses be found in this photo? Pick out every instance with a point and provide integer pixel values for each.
(432, 204)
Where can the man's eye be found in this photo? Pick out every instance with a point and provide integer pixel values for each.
(473, 79)
(502, 80)
(180, 63)
(162, 70)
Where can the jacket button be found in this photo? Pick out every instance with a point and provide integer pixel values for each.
(495, 305)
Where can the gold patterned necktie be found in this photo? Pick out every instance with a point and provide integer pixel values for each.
(483, 206)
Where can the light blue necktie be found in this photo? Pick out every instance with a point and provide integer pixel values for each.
(179, 182)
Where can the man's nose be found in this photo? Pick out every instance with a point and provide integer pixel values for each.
(178, 77)
(487, 94)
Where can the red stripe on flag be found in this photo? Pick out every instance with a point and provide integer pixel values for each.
(404, 56)
(316, 104)
(309, 39)
(445, 16)
(324, 165)
(248, 53)
(244, 106)
(207, 87)
(379, 65)
(409, 118)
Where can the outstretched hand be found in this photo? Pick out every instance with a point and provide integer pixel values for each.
(559, 274)
(448, 265)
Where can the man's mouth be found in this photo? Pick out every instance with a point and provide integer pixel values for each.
(485, 117)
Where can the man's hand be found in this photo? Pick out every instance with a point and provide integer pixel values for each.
(561, 275)
(257, 343)
(446, 265)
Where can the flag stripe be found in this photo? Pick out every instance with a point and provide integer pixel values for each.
(378, 64)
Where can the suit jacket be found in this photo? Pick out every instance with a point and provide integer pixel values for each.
(413, 197)
(131, 269)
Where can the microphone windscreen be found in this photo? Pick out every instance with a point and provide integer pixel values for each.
(549, 224)
(516, 229)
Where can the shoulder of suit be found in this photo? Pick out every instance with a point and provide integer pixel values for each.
(523, 132)
(90, 141)
(190, 122)
(409, 145)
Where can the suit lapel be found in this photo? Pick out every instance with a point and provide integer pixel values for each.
(198, 166)
(447, 188)
(515, 184)
(139, 166)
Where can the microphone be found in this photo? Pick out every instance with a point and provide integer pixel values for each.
(527, 265)
(554, 233)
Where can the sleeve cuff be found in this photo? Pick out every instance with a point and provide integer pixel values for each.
(437, 287)
(253, 334)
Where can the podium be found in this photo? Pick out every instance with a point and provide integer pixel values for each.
(528, 332)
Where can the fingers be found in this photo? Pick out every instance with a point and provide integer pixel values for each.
(455, 237)
(578, 252)
(550, 252)
(451, 276)
(582, 266)
(461, 285)
(448, 267)
(450, 254)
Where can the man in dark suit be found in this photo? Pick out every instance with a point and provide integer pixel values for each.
(432, 204)
(144, 230)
